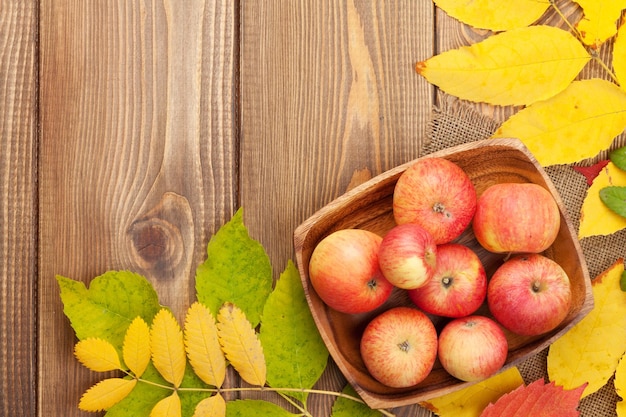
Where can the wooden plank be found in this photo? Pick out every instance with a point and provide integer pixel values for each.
(18, 205)
(139, 146)
(329, 98)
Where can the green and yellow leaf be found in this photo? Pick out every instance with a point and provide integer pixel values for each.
(495, 15)
(106, 394)
(136, 350)
(168, 407)
(203, 346)
(589, 351)
(599, 22)
(214, 406)
(473, 399)
(596, 219)
(558, 130)
(168, 347)
(97, 355)
(256, 408)
(620, 387)
(347, 407)
(619, 55)
(517, 67)
(241, 344)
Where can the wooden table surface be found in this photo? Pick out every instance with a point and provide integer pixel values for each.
(130, 131)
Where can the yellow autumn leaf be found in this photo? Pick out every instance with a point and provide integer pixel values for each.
(241, 344)
(595, 217)
(97, 355)
(167, 407)
(203, 347)
(168, 347)
(620, 387)
(589, 351)
(574, 125)
(619, 55)
(473, 399)
(136, 348)
(599, 22)
(106, 393)
(214, 406)
(519, 66)
(495, 15)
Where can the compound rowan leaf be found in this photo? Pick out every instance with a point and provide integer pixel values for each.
(495, 15)
(599, 22)
(473, 399)
(537, 399)
(97, 355)
(241, 344)
(519, 66)
(203, 346)
(168, 407)
(136, 349)
(214, 406)
(595, 217)
(574, 125)
(168, 347)
(106, 394)
(589, 351)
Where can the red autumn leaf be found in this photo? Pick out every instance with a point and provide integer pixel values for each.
(537, 399)
(591, 172)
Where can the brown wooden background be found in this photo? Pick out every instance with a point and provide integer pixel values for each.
(131, 130)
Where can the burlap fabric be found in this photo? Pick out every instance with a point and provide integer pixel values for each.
(454, 123)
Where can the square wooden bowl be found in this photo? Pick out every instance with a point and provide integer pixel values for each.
(369, 206)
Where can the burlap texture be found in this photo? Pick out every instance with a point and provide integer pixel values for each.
(454, 123)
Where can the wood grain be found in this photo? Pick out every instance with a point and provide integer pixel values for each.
(18, 206)
(138, 153)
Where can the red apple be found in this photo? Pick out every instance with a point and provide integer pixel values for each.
(345, 274)
(457, 288)
(529, 294)
(472, 348)
(407, 256)
(399, 347)
(436, 194)
(512, 217)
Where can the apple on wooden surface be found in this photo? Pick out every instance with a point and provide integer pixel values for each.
(472, 348)
(408, 256)
(436, 194)
(529, 294)
(516, 218)
(344, 271)
(457, 288)
(399, 347)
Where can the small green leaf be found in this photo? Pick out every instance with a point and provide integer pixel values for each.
(618, 157)
(294, 350)
(255, 408)
(346, 407)
(237, 270)
(614, 197)
(622, 282)
(107, 308)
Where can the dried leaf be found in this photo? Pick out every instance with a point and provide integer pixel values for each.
(473, 399)
(599, 22)
(168, 347)
(495, 15)
(619, 54)
(214, 406)
(558, 130)
(106, 393)
(595, 217)
(136, 348)
(589, 351)
(97, 355)
(241, 344)
(592, 171)
(168, 407)
(203, 346)
(537, 399)
(615, 199)
(620, 387)
(520, 66)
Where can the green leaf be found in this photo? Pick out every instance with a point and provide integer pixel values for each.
(345, 407)
(622, 281)
(255, 408)
(614, 197)
(237, 270)
(107, 308)
(294, 350)
(618, 157)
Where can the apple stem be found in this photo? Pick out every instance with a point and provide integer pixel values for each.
(536, 287)
(404, 346)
